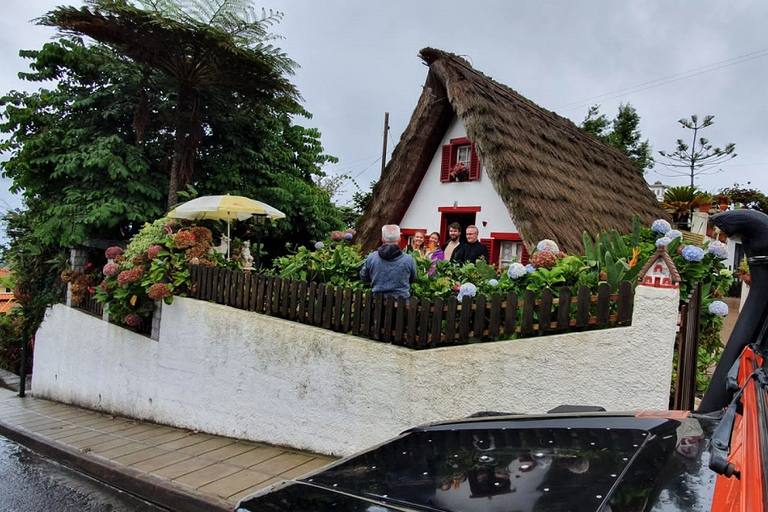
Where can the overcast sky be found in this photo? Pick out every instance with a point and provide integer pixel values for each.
(360, 59)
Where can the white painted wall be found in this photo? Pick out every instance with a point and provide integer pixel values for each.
(235, 373)
(432, 194)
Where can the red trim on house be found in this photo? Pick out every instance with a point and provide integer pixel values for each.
(460, 141)
(445, 164)
(490, 244)
(514, 237)
(459, 209)
(474, 164)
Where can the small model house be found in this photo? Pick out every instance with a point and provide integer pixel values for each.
(476, 152)
(660, 271)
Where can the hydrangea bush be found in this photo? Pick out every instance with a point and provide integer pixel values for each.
(154, 266)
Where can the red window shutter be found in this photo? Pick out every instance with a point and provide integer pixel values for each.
(488, 243)
(474, 164)
(445, 165)
(524, 256)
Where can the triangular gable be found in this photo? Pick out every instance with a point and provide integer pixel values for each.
(558, 180)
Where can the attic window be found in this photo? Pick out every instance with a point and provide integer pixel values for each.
(459, 161)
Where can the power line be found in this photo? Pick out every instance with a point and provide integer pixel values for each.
(665, 80)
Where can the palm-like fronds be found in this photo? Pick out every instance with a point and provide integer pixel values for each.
(202, 45)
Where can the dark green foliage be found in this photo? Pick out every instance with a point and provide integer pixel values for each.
(36, 265)
(72, 147)
(204, 50)
(622, 132)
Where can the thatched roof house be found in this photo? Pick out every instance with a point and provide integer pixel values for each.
(537, 176)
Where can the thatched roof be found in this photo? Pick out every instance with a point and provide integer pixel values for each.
(555, 179)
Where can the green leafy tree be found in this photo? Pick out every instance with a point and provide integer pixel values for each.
(90, 155)
(72, 147)
(204, 48)
(698, 157)
(623, 133)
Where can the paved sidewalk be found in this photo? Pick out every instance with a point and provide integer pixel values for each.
(175, 468)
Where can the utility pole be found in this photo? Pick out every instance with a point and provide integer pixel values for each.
(384, 150)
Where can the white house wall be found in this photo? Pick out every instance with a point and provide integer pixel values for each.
(433, 194)
(236, 373)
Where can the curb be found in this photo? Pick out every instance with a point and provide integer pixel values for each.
(145, 486)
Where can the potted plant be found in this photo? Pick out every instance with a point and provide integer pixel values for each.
(459, 172)
(743, 272)
(703, 201)
(723, 200)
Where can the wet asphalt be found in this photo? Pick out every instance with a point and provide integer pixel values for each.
(30, 482)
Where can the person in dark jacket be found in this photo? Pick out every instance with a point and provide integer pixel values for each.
(473, 250)
(388, 269)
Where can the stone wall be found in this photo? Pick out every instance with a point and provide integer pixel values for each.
(235, 373)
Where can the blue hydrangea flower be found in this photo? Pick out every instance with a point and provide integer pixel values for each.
(693, 253)
(548, 245)
(348, 236)
(718, 308)
(718, 249)
(516, 271)
(673, 233)
(493, 282)
(530, 268)
(663, 241)
(467, 289)
(319, 245)
(660, 226)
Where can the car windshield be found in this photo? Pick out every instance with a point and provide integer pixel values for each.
(583, 464)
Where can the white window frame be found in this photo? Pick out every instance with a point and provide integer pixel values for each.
(510, 251)
(464, 154)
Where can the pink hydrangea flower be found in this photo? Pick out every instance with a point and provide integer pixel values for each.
(113, 252)
(153, 251)
(133, 320)
(159, 291)
(129, 276)
(111, 269)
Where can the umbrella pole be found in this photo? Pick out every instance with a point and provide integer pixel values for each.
(229, 240)
(258, 247)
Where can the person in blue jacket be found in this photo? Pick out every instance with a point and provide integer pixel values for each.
(388, 269)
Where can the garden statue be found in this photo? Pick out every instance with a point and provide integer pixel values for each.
(246, 260)
(223, 246)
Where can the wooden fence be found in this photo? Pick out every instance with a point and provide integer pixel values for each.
(416, 323)
(687, 352)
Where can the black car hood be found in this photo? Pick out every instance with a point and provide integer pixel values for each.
(555, 463)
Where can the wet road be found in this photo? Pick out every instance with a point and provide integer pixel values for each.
(31, 483)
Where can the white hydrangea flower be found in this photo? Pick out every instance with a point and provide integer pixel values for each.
(673, 233)
(548, 245)
(718, 308)
(467, 289)
(516, 271)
